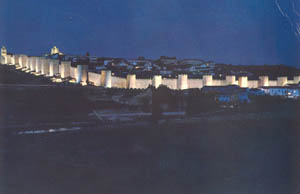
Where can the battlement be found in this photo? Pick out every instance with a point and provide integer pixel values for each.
(81, 75)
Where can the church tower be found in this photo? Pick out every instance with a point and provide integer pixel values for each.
(54, 50)
(3, 51)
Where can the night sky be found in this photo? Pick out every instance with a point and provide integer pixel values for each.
(226, 31)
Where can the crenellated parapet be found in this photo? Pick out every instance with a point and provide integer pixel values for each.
(81, 75)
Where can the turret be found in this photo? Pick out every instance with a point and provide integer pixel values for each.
(207, 80)
(3, 51)
(282, 81)
(54, 50)
(65, 69)
(131, 81)
(296, 79)
(45, 66)
(263, 81)
(156, 81)
(182, 82)
(243, 82)
(230, 80)
(105, 78)
(82, 74)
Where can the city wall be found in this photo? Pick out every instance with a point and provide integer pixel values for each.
(81, 75)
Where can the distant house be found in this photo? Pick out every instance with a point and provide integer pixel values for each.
(289, 91)
(93, 59)
(256, 91)
(140, 61)
(168, 60)
(190, 62)
(228, 94)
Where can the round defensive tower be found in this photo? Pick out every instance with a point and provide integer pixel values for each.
(107, 83)
(45, 66)
(207, 80)
(296, 79)
(182, 82)
(103, 78)
(156, 81)
(32, 63)
(13, 60)
(230, 79)
(131, 81)
(78, 73)
(38, 64)
(282, 81)
(243, 82)
(28, 64)
(82, 74)
(65, 69)
(53, 67)
(263, 81)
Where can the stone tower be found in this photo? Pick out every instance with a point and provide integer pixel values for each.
(3, 51)
(54, 50)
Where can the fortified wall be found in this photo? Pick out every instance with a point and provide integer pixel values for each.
(81, 75)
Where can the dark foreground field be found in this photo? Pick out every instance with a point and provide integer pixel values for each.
(238, 153)
(209, 157)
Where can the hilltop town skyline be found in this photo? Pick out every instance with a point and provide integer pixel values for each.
(230, 32)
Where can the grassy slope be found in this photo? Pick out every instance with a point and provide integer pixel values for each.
(242, 156)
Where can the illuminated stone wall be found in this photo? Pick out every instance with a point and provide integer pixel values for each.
(296, 79)
(32, 63)
(13, 60)
(243, 82)
(131, 81)
(195, 83)
(263, 81)
(27, 64)
(207, 80)
(143, 83)
(272, 82)
(95, 78)
(23, 61)
(65, 67)
(51, 67)
(118, 82)
(73, 72)
(45, 66)
(182, 82)
(219, 82)
(253, 84)
(3, 60)
(170, 83)
(38, 64)
(82, 74)
(282, 81)
(156, 81)
(231, 80)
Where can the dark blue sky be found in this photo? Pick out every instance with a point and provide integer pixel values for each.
(228, 31)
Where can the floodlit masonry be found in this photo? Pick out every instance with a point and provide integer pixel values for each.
(80, 74)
